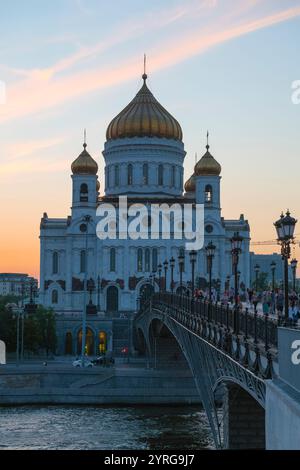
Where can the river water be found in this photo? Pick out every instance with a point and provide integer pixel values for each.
(106, 428)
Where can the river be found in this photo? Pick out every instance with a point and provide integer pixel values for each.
(104, 428)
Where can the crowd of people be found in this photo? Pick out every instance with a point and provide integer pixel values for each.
(268, 301)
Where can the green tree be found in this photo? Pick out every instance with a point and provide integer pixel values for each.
(262, 282)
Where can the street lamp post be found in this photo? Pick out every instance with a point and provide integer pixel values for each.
(294, 263)
(181, 266)
(285, 227)
(236, 244)
(159, 267)
(273, 268)
(84, 229)
(256, 269)
(165, 263)
(172, 265)
(193, 258)
(210, 253)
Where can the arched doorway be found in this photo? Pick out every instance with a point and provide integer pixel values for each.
(102, 342)
(89, 342)
(145, 292)
(68, 343)
(112, 299)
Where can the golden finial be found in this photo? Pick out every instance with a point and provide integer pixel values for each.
(144, 76)
(84, 139)
(207, 145)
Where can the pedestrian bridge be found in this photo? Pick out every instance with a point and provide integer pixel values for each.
(229, 350)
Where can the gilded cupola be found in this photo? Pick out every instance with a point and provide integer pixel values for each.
(84, 164)
(207, 165)
(144, 116)
(190, 184)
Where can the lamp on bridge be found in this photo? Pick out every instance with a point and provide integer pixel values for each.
(285, 227)
(181, 266)
(166, 270)
(159, 267)
(210, 253)
(172, 265)
(273, 268)
(236, 249)
(193, 258)
(294, 263)
(256, 269)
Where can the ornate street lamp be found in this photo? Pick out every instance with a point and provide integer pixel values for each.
(285, 227)
(210, 253)
(159, 267)
(181, 266)
(172, 265)
(91, 309)
(193, 258)
(87, 219)
(165, 263)
(273, 268)
(256, 269)
(236, 249)
(294, 263)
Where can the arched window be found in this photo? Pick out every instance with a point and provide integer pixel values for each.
(54, 296)
(154, 259)
(102, 342)
(173, 176)
(55, 263)
(82, 261)
(129, 175)
(182, 253)
(84, 193)
(147, 260)
(112, 259)
(145, 173)
(117, 177)
(208, 193)
(160, 175)
(140, 259)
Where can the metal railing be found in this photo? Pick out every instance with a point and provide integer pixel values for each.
(235, 331)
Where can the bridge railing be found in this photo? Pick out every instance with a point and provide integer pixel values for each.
(261, 328)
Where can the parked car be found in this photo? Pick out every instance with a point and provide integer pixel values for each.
(86, 363)
(103, 360)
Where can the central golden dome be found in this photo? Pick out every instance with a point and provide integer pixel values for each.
(144, 116)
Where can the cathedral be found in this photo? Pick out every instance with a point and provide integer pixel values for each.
(144, 157)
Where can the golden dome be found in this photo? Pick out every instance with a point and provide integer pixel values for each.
(207, 165)
(190, 184)
(144, 116)
(84, 164)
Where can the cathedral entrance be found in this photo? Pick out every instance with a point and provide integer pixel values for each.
(145, 293)
(112, 299)
(89, 342)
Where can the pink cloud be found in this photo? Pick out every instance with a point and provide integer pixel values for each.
(42, 89)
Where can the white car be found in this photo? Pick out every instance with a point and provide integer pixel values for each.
(86, 363)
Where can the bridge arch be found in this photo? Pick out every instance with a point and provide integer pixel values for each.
(241, 398)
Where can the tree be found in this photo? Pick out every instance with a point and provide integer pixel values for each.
(39, 328)
(262, 282)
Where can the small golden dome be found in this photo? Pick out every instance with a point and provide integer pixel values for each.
(98, 186)
(207, 165)
(190, 184)
(84, 164)
(144, 116)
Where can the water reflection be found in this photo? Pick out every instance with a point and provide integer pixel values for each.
(112, 428)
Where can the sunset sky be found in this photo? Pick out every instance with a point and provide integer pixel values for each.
(222, 65)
